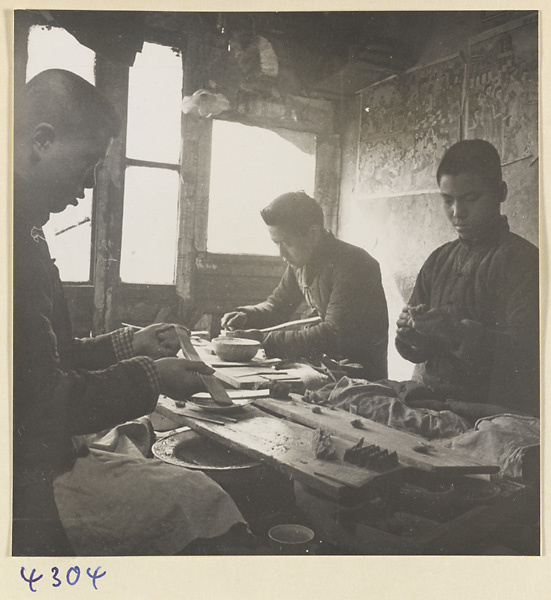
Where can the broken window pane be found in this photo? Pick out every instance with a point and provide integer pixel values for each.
(55, 48)
(69, 236)
(154, 100)
(251, 166)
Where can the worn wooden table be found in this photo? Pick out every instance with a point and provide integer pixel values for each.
(255, 374)
(279, 433)
(282, 444)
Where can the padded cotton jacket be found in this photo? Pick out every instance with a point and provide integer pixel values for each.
(492, 285)
(342, 284)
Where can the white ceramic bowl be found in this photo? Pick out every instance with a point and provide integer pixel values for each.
(235, 349)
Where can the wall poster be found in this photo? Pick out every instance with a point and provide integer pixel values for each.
(503, 92)
(407, 124)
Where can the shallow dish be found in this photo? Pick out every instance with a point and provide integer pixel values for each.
(235, 349)
(190, 450)
(208, 404)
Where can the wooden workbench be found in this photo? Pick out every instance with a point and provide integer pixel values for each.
(284, 445)
(257, 373)
(282, 440)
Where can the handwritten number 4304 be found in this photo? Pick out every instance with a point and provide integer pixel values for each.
(72, 576)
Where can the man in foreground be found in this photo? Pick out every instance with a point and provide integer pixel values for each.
(65, 387)
(340, 283)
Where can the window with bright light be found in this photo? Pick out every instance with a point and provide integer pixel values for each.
(151, 190)
(69, 233)
(150, 225)
(154, 101)
(251, 166)
(55, 48)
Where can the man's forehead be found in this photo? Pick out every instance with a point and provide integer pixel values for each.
(282, 234)
(468, 181)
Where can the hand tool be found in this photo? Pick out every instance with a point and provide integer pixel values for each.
(214, 387)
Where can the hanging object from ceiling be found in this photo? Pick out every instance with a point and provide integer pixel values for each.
(204, 103)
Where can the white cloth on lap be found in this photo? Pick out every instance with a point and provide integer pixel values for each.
(114, 504)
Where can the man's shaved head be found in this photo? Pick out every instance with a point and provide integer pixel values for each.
(71, 105)
(63, 129)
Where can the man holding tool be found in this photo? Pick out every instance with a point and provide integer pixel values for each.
(340, 283)
(64, 387)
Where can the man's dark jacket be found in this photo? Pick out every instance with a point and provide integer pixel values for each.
(61, 386)
(492, 285)
(342, 284)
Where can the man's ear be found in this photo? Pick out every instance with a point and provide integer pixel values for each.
(42, 138)
(315, 233)
(502, 191)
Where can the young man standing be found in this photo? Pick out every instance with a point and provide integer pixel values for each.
(472, 323)
(340, 283)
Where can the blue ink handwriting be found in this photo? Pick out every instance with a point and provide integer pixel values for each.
(72, 577)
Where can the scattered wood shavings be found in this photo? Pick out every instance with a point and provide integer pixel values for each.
(323, 446)
(422, 449)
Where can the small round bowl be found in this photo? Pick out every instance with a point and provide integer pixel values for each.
(291, 539)
(235, 349)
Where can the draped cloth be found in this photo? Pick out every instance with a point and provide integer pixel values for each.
(116, 502)
(508, 440)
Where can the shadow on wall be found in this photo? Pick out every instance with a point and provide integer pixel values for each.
(398, 368)
(400, 233)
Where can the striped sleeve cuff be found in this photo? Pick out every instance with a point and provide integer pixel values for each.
(149, 370)
(122, 340)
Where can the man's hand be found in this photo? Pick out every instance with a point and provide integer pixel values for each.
(180, 378)
(408, 335)
(156, 341)
(251, 334)
(436, 323)
(234, 320)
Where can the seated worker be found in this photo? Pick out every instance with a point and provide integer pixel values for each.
(341, 283)
(65, 387)
(471, 325)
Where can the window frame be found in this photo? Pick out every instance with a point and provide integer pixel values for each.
(197, 267)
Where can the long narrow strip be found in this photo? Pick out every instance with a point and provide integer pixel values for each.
(214, 387)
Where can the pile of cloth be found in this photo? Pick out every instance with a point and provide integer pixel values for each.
(486, 433)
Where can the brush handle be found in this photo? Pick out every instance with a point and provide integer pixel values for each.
(309, 321)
